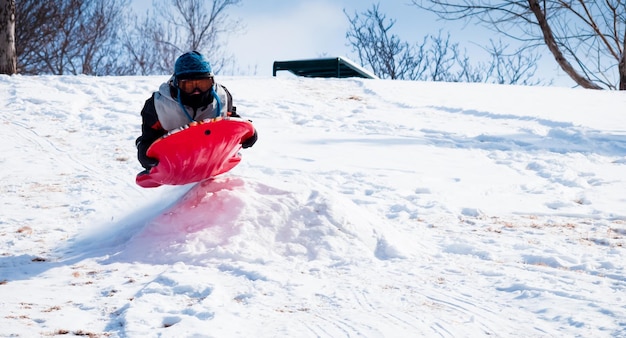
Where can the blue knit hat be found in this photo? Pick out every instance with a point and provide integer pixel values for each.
(192, 64)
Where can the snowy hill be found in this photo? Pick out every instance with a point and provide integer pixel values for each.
(367, 208)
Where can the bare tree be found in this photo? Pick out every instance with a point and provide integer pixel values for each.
(436, 58)
(387, 55)
(99, 37)
(145, 53)
(442, 57)
(176, 26)
(68, 36)
(30, 14)
(8, 57)
(586, 38)
(511, 68)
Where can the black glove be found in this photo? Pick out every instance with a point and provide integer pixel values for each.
(250, 141)
(233, 113)
(146, 162)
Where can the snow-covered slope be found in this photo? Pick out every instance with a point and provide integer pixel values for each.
(368, 207)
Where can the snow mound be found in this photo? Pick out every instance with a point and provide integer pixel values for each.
(231, 218)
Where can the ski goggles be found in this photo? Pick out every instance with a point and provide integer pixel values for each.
(190, 85)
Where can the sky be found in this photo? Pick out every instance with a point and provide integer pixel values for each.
(370, 208)
(281, 30)
(287, 30)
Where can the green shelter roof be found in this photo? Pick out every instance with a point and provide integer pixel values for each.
(325, 67)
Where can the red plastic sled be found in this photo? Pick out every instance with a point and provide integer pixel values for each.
(196, 152)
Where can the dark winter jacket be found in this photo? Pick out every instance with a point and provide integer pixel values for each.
(163, 113)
